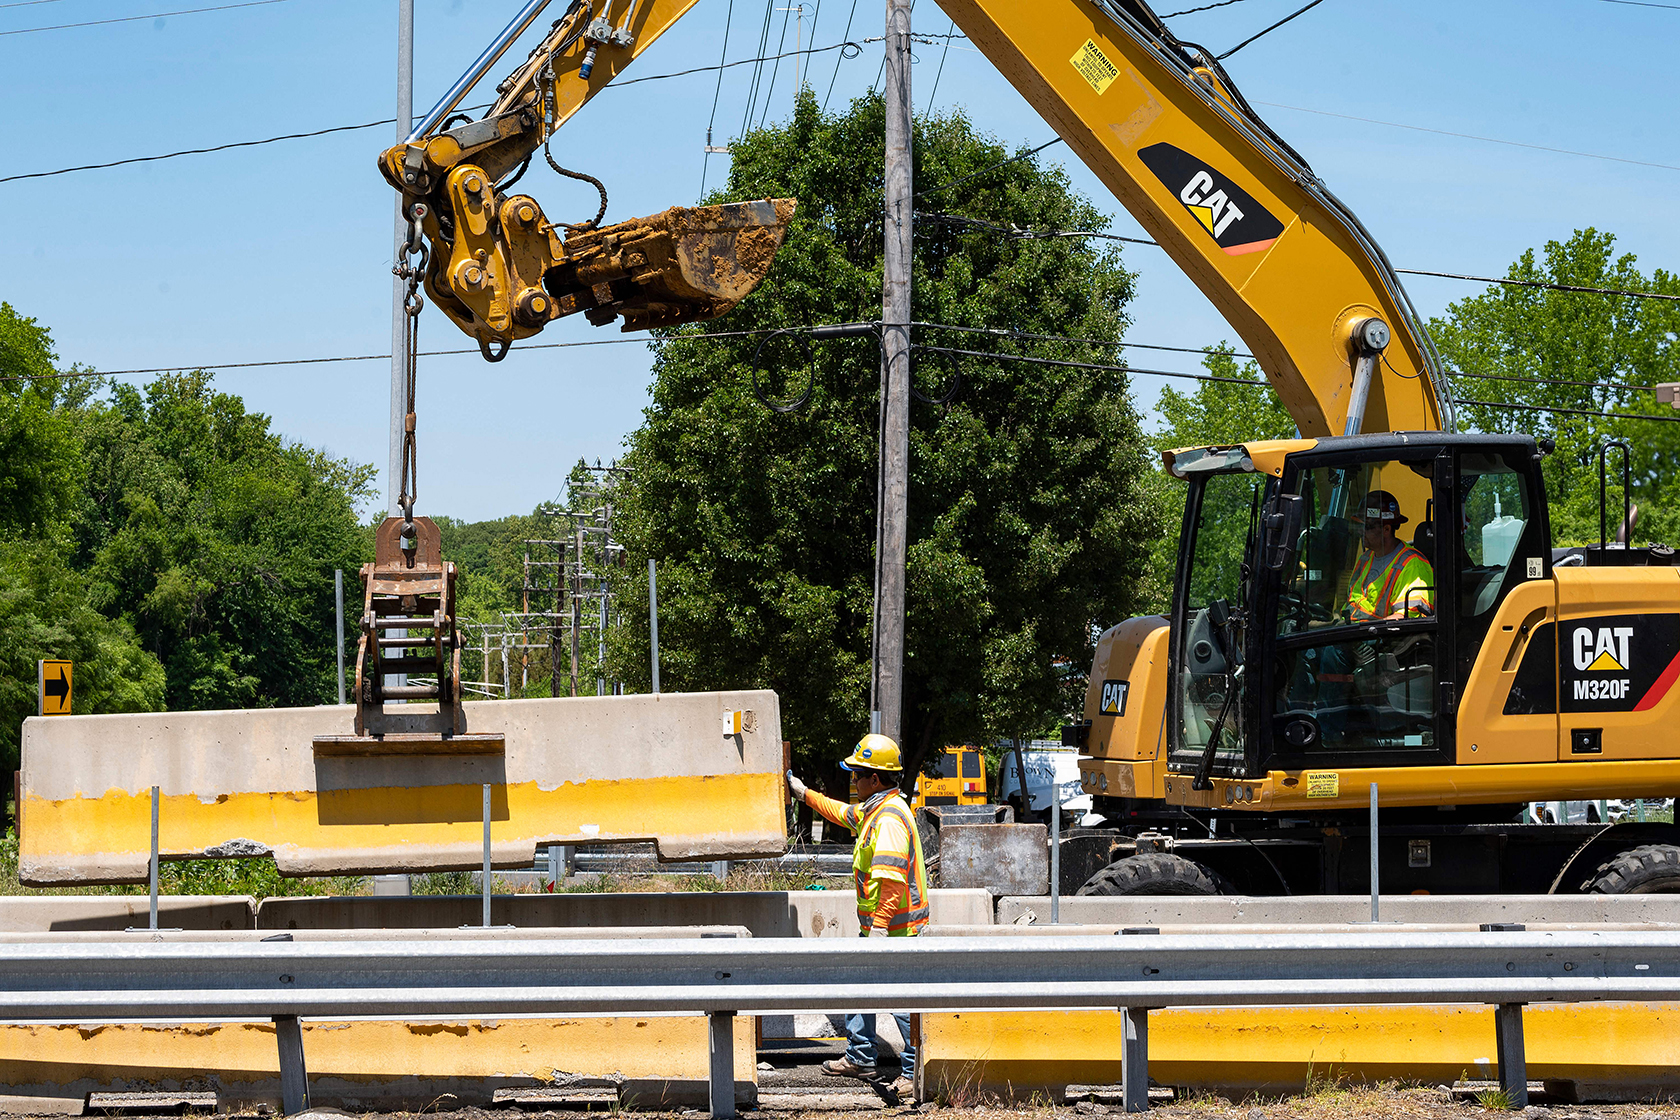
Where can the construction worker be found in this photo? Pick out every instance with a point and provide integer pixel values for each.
(891, 881)
(1392, 579)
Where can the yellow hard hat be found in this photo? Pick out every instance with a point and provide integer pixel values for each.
(874, 752)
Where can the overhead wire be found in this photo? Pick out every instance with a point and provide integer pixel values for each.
(134, 19)
(758, 70)
(940, 73)
(989, 167)
(1020, 234)
(1267, 31)
(1203, 8)
(770, 91)
(844, 34)
(723, 56)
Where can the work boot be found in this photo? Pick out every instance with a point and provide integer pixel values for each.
(903, 1090)
(844, 1067)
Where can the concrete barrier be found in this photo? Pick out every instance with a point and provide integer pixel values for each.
(1587, 1052)
(645, 1062)
(244, 783)
(1434, 909)
(48, 913)
(765, 913)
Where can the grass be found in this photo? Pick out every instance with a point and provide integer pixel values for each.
(1494, 1100)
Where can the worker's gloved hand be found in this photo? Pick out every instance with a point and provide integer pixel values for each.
(796, 788)
(877, 931)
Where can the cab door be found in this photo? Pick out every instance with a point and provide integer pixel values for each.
(1341, 689)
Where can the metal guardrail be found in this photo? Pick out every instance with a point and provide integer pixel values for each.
(283, 980)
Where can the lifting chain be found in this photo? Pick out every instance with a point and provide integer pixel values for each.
(411, 267)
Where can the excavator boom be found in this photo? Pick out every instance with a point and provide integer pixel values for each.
(1290, 267)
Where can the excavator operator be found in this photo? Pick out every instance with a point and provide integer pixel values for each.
(1392, 579)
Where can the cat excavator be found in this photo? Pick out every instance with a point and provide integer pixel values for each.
(1245, 742)
(501, 270)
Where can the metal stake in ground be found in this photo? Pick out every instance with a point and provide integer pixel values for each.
(153, 872)
(893, 516)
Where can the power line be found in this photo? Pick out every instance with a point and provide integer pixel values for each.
(1267, 31)
(1546, 284)
(988, 167)
(199, 151)
(1643, 4)
(132, 19)
(837, 61)
(1572, 411)
(1020, 234)
(840, 46)
(723, 56)
(1203, 8)
(1471, 136)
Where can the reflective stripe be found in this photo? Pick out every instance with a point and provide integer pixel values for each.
(892, 861)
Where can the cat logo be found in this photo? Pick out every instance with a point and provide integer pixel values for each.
(1113, 701)
(1237, 223)
(1604, 649)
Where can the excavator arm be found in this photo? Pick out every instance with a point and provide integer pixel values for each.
(497, 265)
(1293, 271)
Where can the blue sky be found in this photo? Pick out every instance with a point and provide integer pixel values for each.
(284, 251)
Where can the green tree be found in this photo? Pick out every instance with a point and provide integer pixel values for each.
(1598, 354)
(216, 539)
(1216, 412)
(39, 456)
(1029, 518)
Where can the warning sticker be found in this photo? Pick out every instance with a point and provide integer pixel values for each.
(1323, 784)
(1093, 65)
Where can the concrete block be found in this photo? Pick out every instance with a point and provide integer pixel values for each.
(49, 913)
(1609, 1051)
(649, 1061)
(765, 913)
(1434, 909)
(1005, 859)
(242, 783)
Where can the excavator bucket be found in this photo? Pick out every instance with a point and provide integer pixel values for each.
(681, 265)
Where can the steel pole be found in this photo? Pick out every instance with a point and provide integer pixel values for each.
(653, 620)
(338, 626)
(1374, 878)
(892, 540)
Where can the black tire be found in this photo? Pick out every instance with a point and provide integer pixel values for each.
(1155, 873)
(1647, 869)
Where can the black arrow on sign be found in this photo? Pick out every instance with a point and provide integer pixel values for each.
(59, 687)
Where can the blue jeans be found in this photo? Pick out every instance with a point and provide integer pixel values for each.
(860, 1041)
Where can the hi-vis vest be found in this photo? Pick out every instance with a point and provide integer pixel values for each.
(1372, 594)
(887, 848)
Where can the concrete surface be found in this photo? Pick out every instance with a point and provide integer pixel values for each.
(451, 933)
(241, 783)
(1432, 909)
(1005, 859)
(1600, 1051)
(765, 913)
(47, 913)
(649, 1062)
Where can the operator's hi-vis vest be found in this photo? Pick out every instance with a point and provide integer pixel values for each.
(887, 848)
(1371, 594)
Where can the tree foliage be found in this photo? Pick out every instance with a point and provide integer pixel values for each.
(1028, 513)
(1601, 353)
(165, 540)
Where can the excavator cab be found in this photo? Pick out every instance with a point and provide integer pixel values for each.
(1333, 596)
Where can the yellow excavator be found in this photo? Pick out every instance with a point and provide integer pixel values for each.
(501, 270)
(1234, 746)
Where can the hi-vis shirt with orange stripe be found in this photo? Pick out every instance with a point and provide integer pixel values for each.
(1372, 595)
(887, 848)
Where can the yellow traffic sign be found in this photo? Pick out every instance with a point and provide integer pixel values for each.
(54, 693)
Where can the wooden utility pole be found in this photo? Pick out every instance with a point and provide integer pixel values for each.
(887, 701)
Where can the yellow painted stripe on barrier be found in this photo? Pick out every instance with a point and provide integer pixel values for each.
(1614, 1049)
(389, 820)
(72, 1060)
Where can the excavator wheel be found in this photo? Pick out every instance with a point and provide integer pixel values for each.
(1155, 873)
(1647, 869)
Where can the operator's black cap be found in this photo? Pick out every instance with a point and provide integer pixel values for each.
(1382, 507)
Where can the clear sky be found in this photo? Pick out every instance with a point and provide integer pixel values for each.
(283, 251)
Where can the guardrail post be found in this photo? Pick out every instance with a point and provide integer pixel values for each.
(720, 1031)
(294, 1081)
(1513, 1062)
(1134, 1058)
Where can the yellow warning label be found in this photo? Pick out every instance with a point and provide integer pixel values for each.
(1324, 784)
(1093, 65)
(53, 697)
